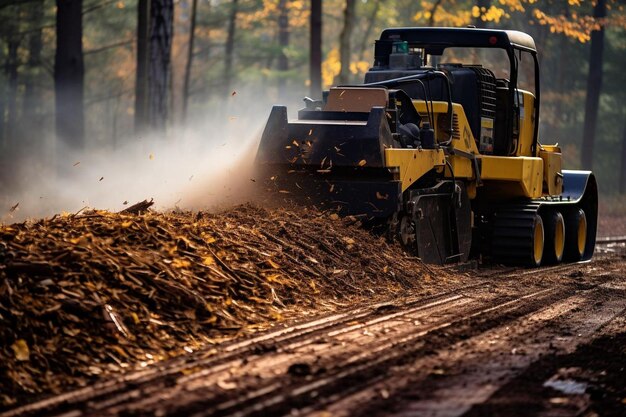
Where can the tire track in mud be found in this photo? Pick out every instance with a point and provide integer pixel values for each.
(596, 370)
(354, 374)
(467, 373)
(279, 358)
(305, 365)
(346, 373)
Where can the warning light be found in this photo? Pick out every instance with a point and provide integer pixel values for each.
(493, 40)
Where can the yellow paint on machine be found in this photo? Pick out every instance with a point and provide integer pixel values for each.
(414, 163)
(462, 139)
(523, 174)
(502, 176)
(552, 177)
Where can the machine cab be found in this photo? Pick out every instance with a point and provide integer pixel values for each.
(501, 110)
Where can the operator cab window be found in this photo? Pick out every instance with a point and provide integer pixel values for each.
(493, 59)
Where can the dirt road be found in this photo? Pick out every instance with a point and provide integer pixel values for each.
(542, 342)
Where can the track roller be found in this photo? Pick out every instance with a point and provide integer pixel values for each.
(518, 236)
(554, 226)
(576, 232)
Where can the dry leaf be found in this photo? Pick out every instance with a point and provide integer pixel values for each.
(273, 277)
(71, 332)
(225, 385)
(273, 264)
(181, 263)
(20, 349)
(349, 240)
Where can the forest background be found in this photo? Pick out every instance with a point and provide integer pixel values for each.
(87, 77)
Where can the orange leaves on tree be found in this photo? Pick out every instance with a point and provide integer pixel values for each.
(491, 14)
(331, 67)
(448, 14)
(577, 27)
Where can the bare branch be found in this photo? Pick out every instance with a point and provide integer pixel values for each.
(110, 46)
(97, 99)
(97, 6)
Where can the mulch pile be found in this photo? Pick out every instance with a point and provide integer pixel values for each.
(96, 293)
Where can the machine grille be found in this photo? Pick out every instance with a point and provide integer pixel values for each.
(487, 88)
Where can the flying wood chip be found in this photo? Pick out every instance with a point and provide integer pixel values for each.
(138, 208)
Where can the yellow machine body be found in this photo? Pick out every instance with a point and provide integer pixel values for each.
(521, 175)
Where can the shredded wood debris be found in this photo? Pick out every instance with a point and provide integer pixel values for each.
(96, 293)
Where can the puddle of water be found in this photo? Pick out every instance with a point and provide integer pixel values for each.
(566, 386)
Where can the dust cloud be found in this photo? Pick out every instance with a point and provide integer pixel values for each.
(204, 165)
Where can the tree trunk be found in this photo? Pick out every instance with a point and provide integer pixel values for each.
(69, 74)
(12, 64)
(31, 116)
(315, 39)
(562, 63)
(3, 142)
(622, 177)
(143, 60)
(230, 47)
(192, 36)
(371, 21)
(594, 85)
(344, 41)
(159, 70)
(283, 41)
(155, 24)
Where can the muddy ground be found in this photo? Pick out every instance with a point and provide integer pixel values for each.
(400, 339)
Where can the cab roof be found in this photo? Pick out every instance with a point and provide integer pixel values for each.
(441, 38)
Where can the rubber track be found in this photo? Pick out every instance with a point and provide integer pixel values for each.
(513, 237)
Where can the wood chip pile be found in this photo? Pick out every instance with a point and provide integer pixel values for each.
(87, 295)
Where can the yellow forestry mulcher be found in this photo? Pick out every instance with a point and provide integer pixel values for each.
(440, 149)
